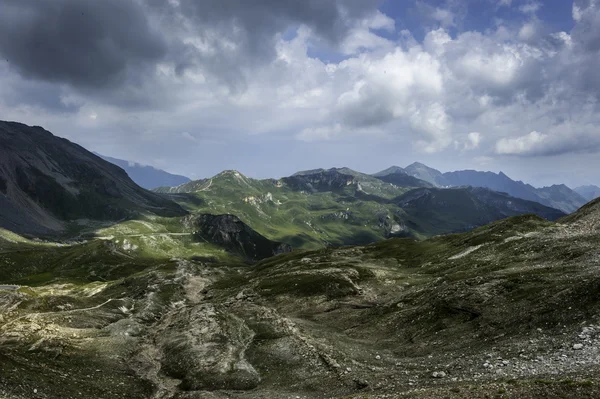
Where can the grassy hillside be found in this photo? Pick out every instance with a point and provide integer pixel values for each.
(304, 219)
(321, 207)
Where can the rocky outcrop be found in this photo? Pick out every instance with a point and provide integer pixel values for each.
(234, 235)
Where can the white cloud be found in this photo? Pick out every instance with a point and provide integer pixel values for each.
(444, 17)
(577, 12)
(319, 133)
(527, 31)
(531, 7)
(527, 144)
(412, 95)
(472, 142)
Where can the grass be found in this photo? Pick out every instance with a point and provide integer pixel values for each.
(342, 216)
(301, 219)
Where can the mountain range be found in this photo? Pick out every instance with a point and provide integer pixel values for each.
(145, 176)
(557, 196)
(509, 309)
(50, 185)
(339, 206)
(237, 287)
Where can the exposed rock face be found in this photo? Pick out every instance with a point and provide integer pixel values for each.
(46, 180)
(236, 236)
(511, 307)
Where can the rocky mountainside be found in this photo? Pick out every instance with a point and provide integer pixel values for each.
(590, 192)
(147, 177)
(507, 310)
(229, 232)
(556, 196)
(46, 180)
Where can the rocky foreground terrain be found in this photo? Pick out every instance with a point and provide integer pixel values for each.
(510, 310)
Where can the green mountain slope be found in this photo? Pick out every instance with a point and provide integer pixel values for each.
(305, 211)
(321, 207)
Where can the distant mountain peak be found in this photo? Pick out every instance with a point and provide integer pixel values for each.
(589, 192)
(230, 172)
(426, 173)
(418, 164)
(147, 176)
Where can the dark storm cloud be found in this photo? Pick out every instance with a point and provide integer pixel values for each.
(238, 34)
(85, 43)
(97, 46)
(255, 22)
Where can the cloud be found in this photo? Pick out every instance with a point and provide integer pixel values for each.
(319, 133)
(225, 38)
(531, 7)
(319, 75)
(472, 142)
(445, 16)
(527, 144)
(83, 43)
(563, 140)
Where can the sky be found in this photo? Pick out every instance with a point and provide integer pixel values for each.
(270, 87)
